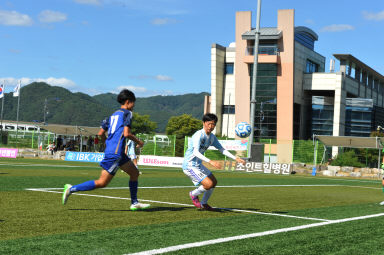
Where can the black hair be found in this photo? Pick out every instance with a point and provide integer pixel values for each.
(210, 117)
(125, 95)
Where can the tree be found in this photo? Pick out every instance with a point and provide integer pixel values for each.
(142, 125)
(182, 126)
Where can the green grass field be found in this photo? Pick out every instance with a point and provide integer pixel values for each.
(259, 214)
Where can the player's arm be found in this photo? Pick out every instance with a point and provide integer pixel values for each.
(102, 135)
(196, 153)
(128, 134)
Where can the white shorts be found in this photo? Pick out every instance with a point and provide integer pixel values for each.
(197, 173)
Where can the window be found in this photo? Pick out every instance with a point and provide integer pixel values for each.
(311, 67)
(229, 68)
(228, 109)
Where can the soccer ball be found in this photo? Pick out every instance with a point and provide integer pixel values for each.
(243, 129)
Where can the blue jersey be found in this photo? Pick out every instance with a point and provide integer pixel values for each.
(201, 141)
(114, 125)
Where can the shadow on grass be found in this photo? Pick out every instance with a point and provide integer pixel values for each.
(249, 209)
(151, 209)
(4, 173)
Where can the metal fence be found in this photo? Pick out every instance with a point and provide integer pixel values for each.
(159, 145)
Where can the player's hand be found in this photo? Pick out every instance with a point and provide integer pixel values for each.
(240, 160)
(215, 164)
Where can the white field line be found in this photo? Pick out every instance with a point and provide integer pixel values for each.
(179, 204)
(241, 237)
(34, 165)
(235, 186)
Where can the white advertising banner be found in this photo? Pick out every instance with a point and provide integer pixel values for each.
(148, 160)
(231, 145)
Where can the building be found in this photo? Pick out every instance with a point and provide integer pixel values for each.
(292, 86)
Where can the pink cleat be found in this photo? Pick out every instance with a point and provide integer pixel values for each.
(195, 200)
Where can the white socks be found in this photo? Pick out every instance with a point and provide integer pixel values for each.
(198, 191)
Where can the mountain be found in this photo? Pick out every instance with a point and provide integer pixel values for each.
(65, 107)
(161, 108)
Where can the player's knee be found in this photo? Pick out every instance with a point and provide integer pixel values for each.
(101, 184)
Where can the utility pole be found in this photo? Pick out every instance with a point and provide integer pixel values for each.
(254, 77)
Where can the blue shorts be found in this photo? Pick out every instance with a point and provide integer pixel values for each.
(111, 163)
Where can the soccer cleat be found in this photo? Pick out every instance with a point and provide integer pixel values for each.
(139, 206)
(66, 193)
(381, 203)
(207, 207)
(195, 200)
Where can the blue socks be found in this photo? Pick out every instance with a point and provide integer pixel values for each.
(89, 185)
(133, 190)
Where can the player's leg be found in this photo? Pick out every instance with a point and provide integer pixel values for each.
(104, 179)
(209, 184)
(133, 173)
(198, 175)
(109, 165)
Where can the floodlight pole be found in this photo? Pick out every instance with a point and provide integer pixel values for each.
(254, 77)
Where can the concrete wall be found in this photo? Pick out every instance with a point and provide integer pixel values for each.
(285, 83)
(217, 83)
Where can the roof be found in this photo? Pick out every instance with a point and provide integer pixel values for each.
(358, 64)
(308, 31)
(351, 141)
(71, 130)
(266, 33)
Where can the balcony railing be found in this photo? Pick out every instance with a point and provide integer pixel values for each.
(265, 50)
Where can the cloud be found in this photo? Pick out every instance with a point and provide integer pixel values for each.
(88, 2)
(158, 77)
(337, 28)
(163, 21)
(143, 92)
(373, 16)
(60, 82)
(48, 16)
(13, 18)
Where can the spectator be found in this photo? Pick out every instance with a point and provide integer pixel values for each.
(59, 143)
(96, 143)
(90, 143)
(69, 146)
(51, 148)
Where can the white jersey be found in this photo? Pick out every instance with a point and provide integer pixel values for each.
(200, 141)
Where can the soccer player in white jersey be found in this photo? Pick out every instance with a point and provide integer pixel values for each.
(118, 127)
(201, 177)
(130, 150)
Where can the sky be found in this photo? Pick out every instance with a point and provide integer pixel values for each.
(160, 47)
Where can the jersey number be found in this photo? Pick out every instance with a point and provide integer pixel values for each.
(114, 120)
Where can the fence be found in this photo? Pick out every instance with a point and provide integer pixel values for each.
(165, 145)
(159, 145)
(13, 139)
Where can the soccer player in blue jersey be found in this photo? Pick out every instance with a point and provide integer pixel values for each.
(118, 128)
(201, 177)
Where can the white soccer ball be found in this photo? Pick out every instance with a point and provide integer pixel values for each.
(243, 129)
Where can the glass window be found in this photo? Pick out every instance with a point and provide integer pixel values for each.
(228, 109)
(229, 68)
(311, 67)
(265, 108)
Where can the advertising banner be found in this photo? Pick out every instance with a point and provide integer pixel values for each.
(8, 153)
(84, 156)
(266, 168)
(230, 145)
(146, 160)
